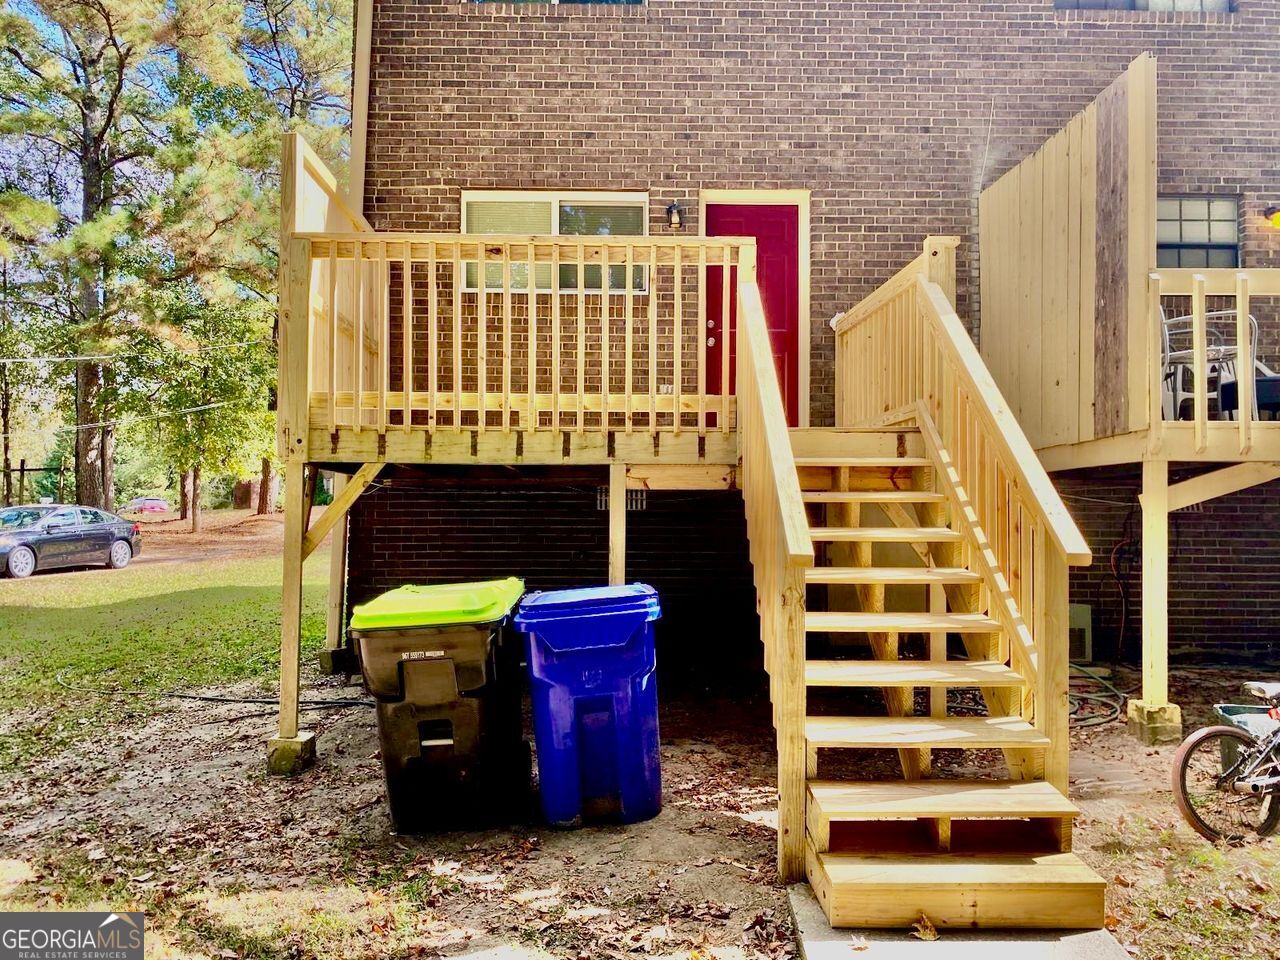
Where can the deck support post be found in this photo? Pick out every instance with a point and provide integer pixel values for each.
(617, 524)
(331, 657)
(291, 750)
(1153, 719)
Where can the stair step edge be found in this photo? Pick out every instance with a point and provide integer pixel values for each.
(909, 673)
(956, 799)
(968, 733)
(836, 575)
(857, 622)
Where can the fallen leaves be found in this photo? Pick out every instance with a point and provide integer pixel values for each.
(923, 929)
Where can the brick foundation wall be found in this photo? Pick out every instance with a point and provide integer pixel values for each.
(1224, 569)
(691, 546)
(893, 114)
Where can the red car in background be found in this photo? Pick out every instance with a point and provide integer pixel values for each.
(146, 505)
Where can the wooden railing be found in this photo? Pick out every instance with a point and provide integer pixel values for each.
(1187, 293)
(403, 336)
(904, 355)
(781, 551)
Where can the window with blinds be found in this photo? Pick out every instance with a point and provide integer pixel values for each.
(543, 213)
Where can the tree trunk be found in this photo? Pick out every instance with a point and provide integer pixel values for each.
(109, 468)
(6, 397)
(5, 428)
(90, 470)
(195, 499)
(184, 495)
(264, 487)
(88, 442)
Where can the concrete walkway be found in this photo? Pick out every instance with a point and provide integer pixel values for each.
(818, 941)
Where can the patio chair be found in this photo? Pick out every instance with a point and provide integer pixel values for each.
(1178, 357)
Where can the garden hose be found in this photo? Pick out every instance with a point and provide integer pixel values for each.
(339, 703)
(1112, 701)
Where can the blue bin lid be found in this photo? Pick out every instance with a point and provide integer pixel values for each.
(547, 605)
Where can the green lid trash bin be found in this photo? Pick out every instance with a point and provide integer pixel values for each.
(446, 678)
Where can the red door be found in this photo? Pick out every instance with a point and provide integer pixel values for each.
(776, 228)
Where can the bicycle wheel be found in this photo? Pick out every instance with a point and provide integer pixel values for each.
(1203, 768)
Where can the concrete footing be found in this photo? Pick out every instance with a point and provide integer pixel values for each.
(818, 941)
(287, 756)
(1155, 724)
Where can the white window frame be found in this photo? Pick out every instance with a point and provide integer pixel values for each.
(586, 198)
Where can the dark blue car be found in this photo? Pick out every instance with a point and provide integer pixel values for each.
(48, 535)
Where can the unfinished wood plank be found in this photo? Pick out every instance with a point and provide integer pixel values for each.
(872, 496)
(336, 510)
(895, 622)
(1055, 890)
(617, 524)
(891, 800)
(1111, 264)
(908, 673)
(890, 576)
(968, 733)
(886, 534)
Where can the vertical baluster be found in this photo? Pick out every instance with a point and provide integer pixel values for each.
(406, 336)
(482, 338)
(1245, 370)
(506, 338)
(556, 334)
(384, 335)
(677, 355)
(726, 342)
(333, 336)
(604, 336)
(582, 336)
(459, 282)
(653, 339)
(702, 340)
(357, 276)
(433, 340)
(1201, 352)
(531, 417)
(628, 375)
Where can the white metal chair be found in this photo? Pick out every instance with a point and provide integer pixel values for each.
(1222, 353)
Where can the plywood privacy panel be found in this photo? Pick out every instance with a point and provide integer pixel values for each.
(1066, 239)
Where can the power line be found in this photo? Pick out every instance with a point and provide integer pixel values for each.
(150, 416)
(112, 356)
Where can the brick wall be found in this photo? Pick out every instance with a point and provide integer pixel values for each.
(691, 546)
(1224, 568)
(894, 114)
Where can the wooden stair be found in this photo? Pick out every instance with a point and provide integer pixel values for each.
(895, 577)
(908, 673)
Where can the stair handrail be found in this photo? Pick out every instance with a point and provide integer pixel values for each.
(903, 355)
(781, 551)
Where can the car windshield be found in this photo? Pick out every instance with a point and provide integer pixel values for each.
(16, 517)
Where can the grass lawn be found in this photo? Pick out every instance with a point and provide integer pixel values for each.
(148, 628)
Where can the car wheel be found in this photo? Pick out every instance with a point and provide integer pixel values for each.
(22, 562)
(121, 554)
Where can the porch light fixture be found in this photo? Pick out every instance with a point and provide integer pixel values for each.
(674, 219)
(1272, 214)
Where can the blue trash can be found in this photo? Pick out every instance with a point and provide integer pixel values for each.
(595, 701)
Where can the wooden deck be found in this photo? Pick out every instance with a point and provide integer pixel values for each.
(410, 349)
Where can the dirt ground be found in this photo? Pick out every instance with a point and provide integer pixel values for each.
(178, 815)
(224, 534)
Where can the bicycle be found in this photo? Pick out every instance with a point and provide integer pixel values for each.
(1226, 779)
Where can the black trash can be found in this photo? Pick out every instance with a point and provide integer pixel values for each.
(446, 678)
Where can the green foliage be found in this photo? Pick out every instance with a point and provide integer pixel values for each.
(139, 180)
